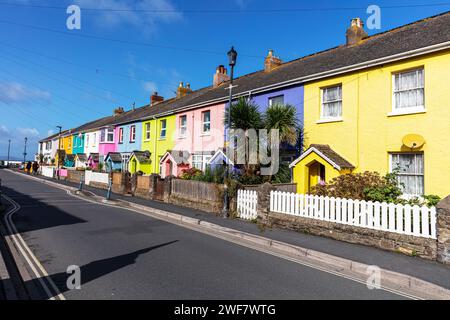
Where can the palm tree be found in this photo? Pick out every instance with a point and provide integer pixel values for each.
(283, 118)
(245, 115)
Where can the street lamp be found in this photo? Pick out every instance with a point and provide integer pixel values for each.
(9, 149)
(25, 151)
(58, 150)
(232, 57)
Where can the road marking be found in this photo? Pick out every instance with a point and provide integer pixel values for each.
(27, 254)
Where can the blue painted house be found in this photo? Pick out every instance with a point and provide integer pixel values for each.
(78, 143)
(129, 139)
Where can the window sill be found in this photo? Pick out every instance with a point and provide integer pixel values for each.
(331, 120)
(161, 138)
(406, 112)
(182, 137)
(205, 134)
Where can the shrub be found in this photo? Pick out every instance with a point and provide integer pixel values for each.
(431, 200)
(188, 174)
(369, 186)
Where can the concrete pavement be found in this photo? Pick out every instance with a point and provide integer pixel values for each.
(125, 255)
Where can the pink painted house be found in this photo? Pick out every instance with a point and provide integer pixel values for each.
(108, 141)
(199, 134)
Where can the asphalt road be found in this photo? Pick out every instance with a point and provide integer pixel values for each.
(125, 255)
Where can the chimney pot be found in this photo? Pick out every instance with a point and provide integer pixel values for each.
(183, 90)
(271, 62)
(118, 110)
(220, 76)
(356, 32)
(155, 98)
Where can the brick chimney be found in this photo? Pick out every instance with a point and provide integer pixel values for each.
(183, 90)
(356, 33)
(271, 62)
(154, 99)
(220, 76)
(118, 111)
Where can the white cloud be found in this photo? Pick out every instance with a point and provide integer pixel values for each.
(147, 21)
(50, 132)
(150, 86)
(242, 3)
(14, 92)
(28, 132)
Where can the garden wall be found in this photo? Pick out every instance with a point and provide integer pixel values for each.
(197, 195)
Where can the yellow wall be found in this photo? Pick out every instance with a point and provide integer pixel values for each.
(135, 166)
(157, 146)
(67, 144)
(305, 170)
(367, 133)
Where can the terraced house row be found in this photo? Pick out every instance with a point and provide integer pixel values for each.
(377, 103)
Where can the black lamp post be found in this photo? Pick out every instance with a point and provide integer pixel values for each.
(58, 150)
(9, 149)
(232, 57)
(25, 151)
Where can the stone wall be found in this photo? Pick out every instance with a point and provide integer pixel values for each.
(195, 194)
(75, 176)
(443, 231)
(414, 246)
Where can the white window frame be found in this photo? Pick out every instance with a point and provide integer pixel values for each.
(148, 129)
(162, 129)
(183, 128)
(120, 135)
(106, 132)
(391, 169)
(322, 104)
(275, 97)
(94, 140)
(202, 160)
(125, 160)
(87, 140)
(206, 122)
(408, 110)
(132, 133)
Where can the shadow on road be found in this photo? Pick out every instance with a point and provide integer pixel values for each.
(97, 269)
(36, 214)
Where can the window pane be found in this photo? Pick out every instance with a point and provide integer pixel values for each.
(276, 101)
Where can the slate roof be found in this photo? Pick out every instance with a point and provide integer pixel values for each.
(180, 157)
(332, 155)
(70, 157)
(114, 156)
(420, 34)
(142, 156)
(94, 157)
(82, 157)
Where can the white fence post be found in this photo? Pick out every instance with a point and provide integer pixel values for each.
(403, 219)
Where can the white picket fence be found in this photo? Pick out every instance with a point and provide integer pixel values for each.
(247, 202)
(402, 219)
(48, 171)
(90, 176)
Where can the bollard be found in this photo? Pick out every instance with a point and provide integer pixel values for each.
(108, 194)
(80, 188)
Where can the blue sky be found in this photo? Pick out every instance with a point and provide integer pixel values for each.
(63, 77)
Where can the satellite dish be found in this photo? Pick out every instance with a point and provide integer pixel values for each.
(413, 141)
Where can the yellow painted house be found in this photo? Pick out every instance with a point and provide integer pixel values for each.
(390, 113)
(158, 136)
